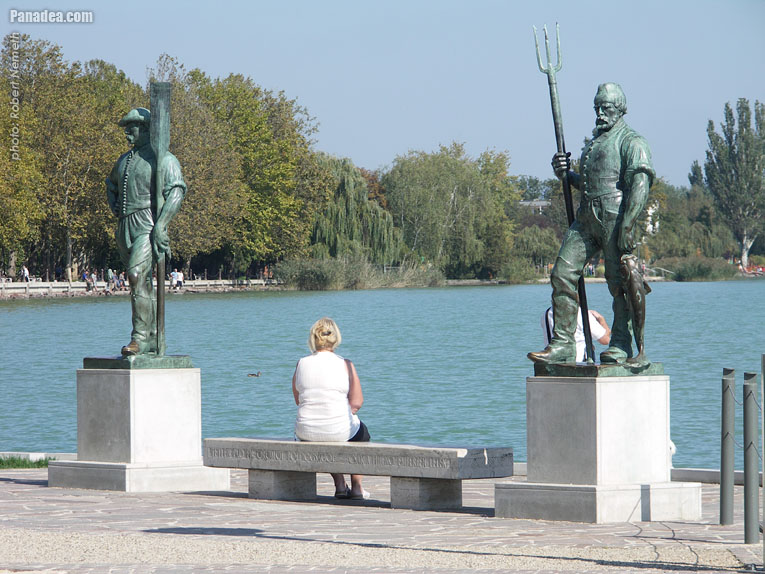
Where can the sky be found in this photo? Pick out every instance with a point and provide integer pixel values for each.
(383, 78)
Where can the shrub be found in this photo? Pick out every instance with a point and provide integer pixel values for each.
(697, 268)
(308, 274)
(353, 272)
(518, 270)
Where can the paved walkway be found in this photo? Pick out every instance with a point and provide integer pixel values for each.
(56, 530)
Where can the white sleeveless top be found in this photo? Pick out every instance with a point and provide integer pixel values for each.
(324, 413)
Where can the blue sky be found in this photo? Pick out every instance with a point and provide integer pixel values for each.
(386, 77)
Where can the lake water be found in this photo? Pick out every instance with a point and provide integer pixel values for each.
(438, 366)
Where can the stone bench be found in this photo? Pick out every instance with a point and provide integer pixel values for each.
(421, 478)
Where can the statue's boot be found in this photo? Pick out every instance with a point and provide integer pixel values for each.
(562, 346)
(555, 352)
(620, 347)
(565, 300)
(143, 334)
(614, 354)
(136, 348)
(131, 348)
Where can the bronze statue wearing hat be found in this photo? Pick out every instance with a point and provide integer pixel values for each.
(615, 174)
(141, 231)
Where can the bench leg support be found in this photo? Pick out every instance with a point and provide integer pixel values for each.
(425, 493)
(282, 485)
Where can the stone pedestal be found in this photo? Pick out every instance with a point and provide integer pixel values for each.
(138, 430)
(598, 451)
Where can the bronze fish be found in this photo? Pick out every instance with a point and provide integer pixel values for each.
(635, 289)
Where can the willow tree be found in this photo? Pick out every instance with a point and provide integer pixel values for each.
(735, 172)
(351, 223)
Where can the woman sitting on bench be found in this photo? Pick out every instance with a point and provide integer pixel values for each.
(328, 395)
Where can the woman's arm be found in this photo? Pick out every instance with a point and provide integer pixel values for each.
(355, 396)
(606, 338)
(294, 387)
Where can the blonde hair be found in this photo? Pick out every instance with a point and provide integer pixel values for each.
(324, 334)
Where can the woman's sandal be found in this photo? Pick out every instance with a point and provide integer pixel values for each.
(343, 494)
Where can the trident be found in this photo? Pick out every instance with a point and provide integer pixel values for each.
(550, 72)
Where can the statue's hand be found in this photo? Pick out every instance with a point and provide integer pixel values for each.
(561, 164)
(160, 242)
(626, 243)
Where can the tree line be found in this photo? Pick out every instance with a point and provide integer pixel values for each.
(259, 192)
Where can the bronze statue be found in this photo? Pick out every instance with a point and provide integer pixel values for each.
(144, 210)
(615, 175)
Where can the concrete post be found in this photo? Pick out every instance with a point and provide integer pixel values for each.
(751, 464)
(727, 446)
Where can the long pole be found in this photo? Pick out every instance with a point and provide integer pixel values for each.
(550, 71)
(160, 142)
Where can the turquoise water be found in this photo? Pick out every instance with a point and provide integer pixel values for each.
(438, 366)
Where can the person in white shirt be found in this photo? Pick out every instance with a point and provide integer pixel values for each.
(599, 328)
(328, 394)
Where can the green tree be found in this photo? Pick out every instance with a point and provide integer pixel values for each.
(450, 208)
(283, 183)
(69, 111)
(532, 188)
(684, 222)
(211, 167)
(20, 175)
(351, 223)
(735, 171)
(539, 245)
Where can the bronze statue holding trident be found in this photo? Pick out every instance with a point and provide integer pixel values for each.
(145, 190)
(615, 175)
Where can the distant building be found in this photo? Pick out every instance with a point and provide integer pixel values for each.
(536, 205)
(651, 222)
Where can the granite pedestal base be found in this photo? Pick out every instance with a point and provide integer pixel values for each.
(598, 451)
(138, 430)
(599, 504)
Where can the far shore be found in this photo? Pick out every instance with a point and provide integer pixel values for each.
(43, 289)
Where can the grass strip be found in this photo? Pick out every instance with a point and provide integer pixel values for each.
(19, 462)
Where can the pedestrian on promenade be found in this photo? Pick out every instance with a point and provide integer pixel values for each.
(328, 394)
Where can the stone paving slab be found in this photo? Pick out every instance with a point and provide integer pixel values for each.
(57, 530)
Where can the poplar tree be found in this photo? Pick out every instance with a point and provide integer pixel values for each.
(735, 172)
